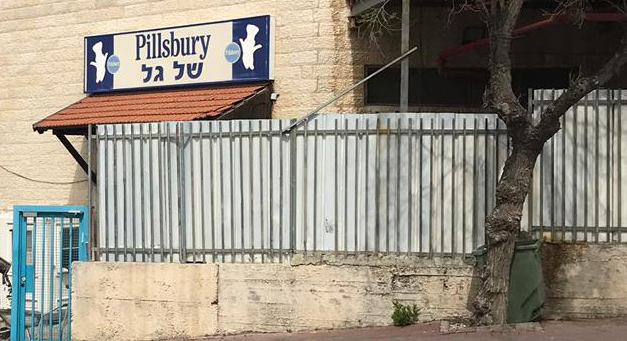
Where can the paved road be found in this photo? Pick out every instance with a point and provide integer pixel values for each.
(596, 330)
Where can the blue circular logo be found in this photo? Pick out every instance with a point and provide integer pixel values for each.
(232, 53)
(113, 64)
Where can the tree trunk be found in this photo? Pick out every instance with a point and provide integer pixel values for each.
(502, 227)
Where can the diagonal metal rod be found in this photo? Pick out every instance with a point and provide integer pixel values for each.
(315, 112)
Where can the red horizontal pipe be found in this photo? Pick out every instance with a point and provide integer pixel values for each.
(591, 17)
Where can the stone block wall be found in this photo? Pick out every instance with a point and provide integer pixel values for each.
(148, 301)
(585, 280)
(152, 301)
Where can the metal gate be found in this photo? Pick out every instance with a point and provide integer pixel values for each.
(46, 240)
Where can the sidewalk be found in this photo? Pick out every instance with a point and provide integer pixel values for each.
(602, 329)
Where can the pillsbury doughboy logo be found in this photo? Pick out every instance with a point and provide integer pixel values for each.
(99, 61)
(249, 47)
(98, 51)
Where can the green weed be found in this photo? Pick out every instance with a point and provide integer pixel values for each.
(405, 314)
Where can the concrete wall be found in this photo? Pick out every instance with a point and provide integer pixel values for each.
(150, 301)
(134, 301)
(585, 280)
(144, 301)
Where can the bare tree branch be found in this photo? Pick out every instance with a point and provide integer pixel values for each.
(549, 124)
(501, 24)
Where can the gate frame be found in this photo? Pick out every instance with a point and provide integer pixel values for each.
(18, 292)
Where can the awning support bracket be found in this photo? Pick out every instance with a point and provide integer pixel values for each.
(77, 156)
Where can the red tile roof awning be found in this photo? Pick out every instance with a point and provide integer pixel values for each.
(150, 106)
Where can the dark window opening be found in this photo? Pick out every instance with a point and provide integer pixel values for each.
(458, 88)
(66, 250)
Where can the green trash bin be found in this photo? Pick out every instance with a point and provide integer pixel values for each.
(526, 285)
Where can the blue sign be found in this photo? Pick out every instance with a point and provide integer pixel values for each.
(233, 51)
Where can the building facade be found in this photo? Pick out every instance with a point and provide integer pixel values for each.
(320, 51)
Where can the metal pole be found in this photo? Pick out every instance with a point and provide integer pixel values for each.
(410, 184)
(419, 150)
(620, 162)
(377, 181)
(241, 196)
(232, 189)
(315, 187)
(405, 63)
(202, 194)
(585, 171)
(325, 104)
(251, 192)
(597, 199)
(453, 234)
(125, 211)
(486, 140)
(90, 189)
(431, 180)
(356, 202)
(115, 196)
(563, 196)
(281, 183)
(345, 185)
(442, 187)
(222, 182)
(141, 190)
(262, 197)
(367, 180)
(134, 195)
(293, 190)
(608, 170)
(398, 185)
(151, 197)
(305, 176)
(475, 179)
(464, 189)
(213, 191)
(337, 187)
(542, 166)
(191, 191)
(270, 193)
(169, 177)
(161, 192)
(387, 184)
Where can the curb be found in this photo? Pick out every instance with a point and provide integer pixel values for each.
(445, 328)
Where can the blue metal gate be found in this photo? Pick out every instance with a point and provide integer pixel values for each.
(46, 240)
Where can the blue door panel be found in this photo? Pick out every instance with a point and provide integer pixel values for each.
(46, 240)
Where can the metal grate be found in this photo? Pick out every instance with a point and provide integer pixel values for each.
(242, 191)
(411, 184)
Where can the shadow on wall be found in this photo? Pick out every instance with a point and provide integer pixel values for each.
(585, 280)
(559, 268)
(78, 193)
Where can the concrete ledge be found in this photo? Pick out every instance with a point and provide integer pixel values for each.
(135, 301)
(150, 301)
(585, 280)
(155, 301)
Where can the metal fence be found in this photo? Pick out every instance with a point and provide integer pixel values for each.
(411, 184)
(578, 189)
